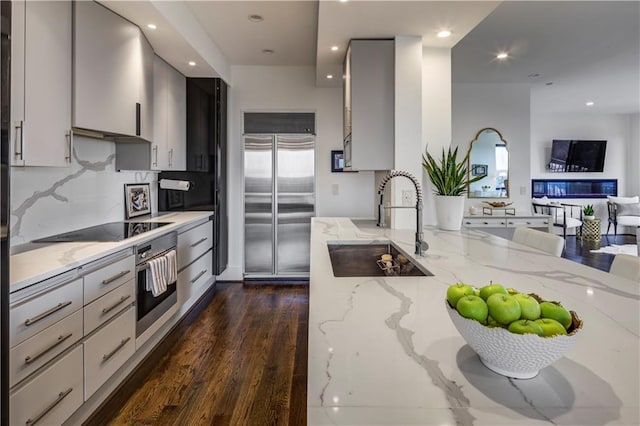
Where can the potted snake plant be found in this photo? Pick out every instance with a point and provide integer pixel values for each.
(450, 181)
(587, 212)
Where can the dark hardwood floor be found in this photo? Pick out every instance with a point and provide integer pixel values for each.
(242, 361)
(579, 251)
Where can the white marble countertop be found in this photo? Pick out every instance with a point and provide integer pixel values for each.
(35, 265)
(383, 351)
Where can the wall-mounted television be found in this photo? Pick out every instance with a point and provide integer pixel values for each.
(577, 156)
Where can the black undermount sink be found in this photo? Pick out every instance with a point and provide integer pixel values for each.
(358, 259)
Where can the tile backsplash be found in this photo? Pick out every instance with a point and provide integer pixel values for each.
(47, 201)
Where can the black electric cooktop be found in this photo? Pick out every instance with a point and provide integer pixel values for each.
(114, 231)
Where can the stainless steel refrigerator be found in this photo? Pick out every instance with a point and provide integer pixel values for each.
(279, 202)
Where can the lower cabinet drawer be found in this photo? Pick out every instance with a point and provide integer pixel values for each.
(107, 350)
(483, 222)
(30, 317)
(194, 277)
(530, 222)
(36, 351)
(52, 396)
(106, 307)
(193, 243)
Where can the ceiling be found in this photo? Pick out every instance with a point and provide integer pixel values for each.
(589, 50)
(288, 29)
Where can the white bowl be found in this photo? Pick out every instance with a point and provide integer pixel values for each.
(520, 356)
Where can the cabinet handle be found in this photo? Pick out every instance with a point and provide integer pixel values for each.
(19, 153)
(62, 395)
(171, 157)
(115, 277)
(115, 305)
(199, 242)
(528, 223)
(59, 306)
(467, 223)
(510, 223)
(198, 276)
(31, 358)
(69, 146)
(486, 223)
(138, 107)
(113, 352)
(155, 155)
(502, 223)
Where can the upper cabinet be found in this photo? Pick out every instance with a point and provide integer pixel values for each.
(41, 83)
(169, 149)
(113, 74)
(369, 105)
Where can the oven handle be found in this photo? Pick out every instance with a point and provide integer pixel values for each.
(145, 265)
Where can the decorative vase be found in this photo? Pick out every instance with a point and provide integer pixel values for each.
(449, 211)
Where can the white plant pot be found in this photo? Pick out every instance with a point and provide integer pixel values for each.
(589, 217)
(449, 211)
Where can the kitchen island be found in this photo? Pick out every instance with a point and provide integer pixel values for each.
(383, 351)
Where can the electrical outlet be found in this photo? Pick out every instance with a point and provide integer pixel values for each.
(335, 189)
(407, 198)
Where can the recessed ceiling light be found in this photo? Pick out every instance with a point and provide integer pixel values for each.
(502, 55)
(334, 48)
(152, 26)
(589, 103)
(192, 64)
(343, 1)
(329, 76)
(256, 18)
(443, 34)
(267, 51)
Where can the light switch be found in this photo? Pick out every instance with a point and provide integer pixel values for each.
(335, 189)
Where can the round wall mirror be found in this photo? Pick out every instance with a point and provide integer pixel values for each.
(488, 156)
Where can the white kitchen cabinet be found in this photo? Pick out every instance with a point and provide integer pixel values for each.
(369, 105)
(51, 396)
(113, 74)
(41, 83)
(170, 118)
(193, 243)
(192, 279)
(108, 349)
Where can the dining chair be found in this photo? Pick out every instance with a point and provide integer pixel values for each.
(626, 266)
(544, 241)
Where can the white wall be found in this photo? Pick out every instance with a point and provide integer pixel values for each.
(47, 201)
(262, 88)
(633, 157)
(436, 114)
(614, 128)
(505, 107)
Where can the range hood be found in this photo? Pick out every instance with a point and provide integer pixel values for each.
(132, 152)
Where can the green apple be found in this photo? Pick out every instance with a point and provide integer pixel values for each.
(491, 323)
(557, 312)
(473, 307)
(490, 289)
(529, 307)
(503, 308)
(524, 326)
(456, 291)
(550, 327)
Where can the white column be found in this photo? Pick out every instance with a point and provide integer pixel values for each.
(408, 125)
(436, 113)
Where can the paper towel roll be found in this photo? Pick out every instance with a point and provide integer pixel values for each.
(178, 185)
